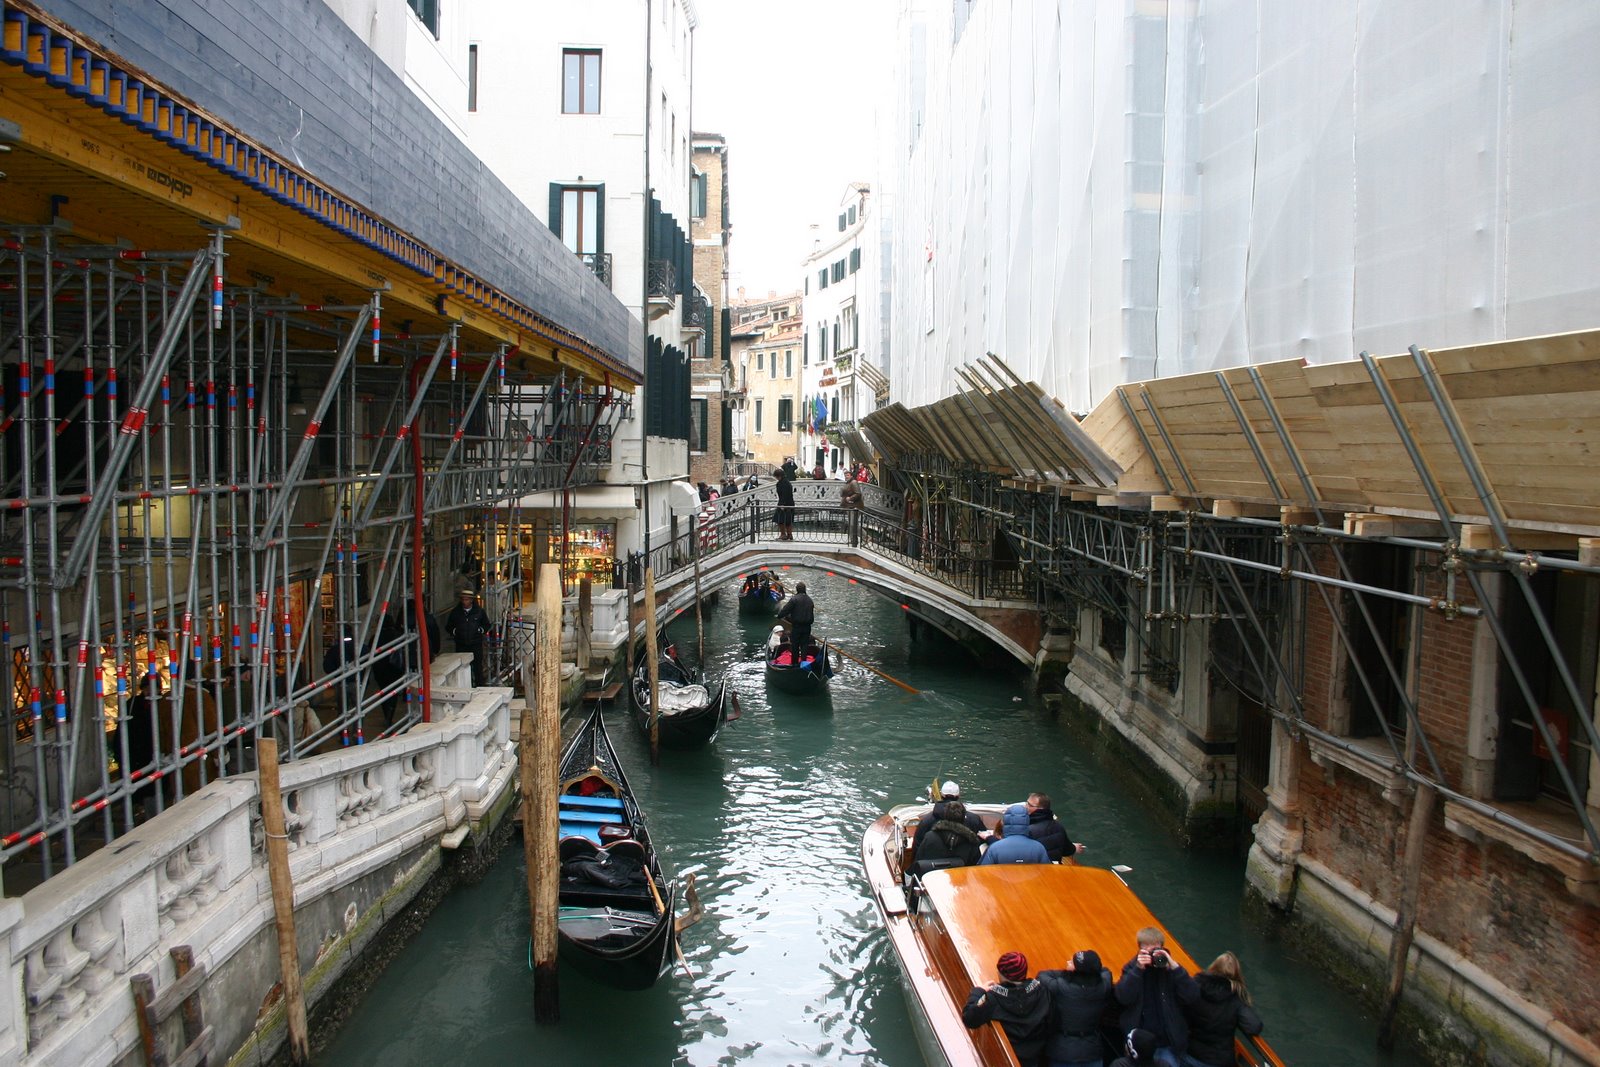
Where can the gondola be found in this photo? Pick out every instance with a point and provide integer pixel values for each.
(791, 670)
(760, 595)
(616, 921)
(692, 710)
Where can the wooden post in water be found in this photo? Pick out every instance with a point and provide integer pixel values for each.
(540, 766)
(654, 661)
(627, 647)
(585, 622)
(1405, 918)
(294, 1003)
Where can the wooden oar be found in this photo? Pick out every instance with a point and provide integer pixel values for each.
(874, 670)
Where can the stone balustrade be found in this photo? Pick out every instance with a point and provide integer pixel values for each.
(196, 875)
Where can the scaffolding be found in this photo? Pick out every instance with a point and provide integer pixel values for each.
(226, 515)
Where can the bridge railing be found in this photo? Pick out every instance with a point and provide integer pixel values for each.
(747, 519)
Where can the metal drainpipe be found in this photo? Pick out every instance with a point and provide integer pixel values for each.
(419, 598)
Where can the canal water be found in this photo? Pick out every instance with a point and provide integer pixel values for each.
(789, 966)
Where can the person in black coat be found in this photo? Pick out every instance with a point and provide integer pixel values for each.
(468, 624)
(1078, 998)
(1018, 1003)
(947, 792)
(1138, 1050)
(1045, 828)
(949, 842)
(784, 514)
(1223, 1007)
(1153, 991)
(801, 613)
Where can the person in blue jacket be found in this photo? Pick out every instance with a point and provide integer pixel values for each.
(1014, 844)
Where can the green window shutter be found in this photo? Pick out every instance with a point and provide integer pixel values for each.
(600, 219)
(555, 209)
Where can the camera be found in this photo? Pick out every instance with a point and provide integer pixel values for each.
(1159, 958)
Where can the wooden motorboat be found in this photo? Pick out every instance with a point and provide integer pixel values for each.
(692, 710)
(797, 670)
(616, 922)
(949, 927)
(761, 594)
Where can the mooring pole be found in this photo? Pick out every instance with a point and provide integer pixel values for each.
(294, 1004)
(1405, 918)
(699, 617)
(627, 648)
(540, 755)
(651, 651)
(585, 623)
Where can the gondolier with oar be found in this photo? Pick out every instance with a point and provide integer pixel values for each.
(799, 612)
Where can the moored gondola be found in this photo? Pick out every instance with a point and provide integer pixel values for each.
(692, 709)
(616, 921)
(760, 594)
(794, 669)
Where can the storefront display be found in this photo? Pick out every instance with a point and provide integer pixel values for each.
(591, 550)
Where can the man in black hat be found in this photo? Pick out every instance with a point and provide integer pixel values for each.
(468, 624)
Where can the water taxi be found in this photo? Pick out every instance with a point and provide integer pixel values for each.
(949, 928)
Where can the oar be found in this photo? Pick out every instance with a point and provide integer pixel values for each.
(874, 670)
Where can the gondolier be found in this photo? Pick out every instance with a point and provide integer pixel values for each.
(800, 613)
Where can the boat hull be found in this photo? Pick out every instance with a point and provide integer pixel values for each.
(795, 680)
(633, 965)
(690, 728)
(758, 604)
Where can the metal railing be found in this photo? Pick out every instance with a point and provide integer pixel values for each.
(600, 263)
(661, 279)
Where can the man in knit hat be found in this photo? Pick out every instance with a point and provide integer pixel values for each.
(1018, 1003)
(1140, 1050)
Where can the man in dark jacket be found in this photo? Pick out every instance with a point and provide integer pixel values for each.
(801, 613)
(949, 842)
(1045, 828)
(1018, 1003)
(1078, 998)
(1153, 992)
(468, 624)
(947, 792)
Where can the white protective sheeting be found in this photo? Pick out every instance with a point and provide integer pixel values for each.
(1103, 192)
(683, 697)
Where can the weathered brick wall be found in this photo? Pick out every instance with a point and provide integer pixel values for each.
(1510, 914)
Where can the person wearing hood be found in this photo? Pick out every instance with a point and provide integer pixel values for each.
(1014, 845)
(1018, 1003)
(947, 792)
(1044, 827)
(1078, 998)
(1153, 991)
(949, 840)
(1223, 1007)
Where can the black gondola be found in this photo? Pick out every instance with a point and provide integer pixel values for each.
(692, 710)
(616, 921)
(761, 594)
(797, 670)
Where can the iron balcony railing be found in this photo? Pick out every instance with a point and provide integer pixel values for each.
(661, 279)
(696, 312)
(600, 263)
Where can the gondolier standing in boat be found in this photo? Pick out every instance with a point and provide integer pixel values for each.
(800, 613)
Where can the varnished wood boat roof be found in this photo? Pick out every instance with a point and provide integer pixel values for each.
(1045, 911)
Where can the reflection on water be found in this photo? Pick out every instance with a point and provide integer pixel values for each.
(789, 966)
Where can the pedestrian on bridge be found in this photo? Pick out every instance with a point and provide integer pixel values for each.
(784, 514)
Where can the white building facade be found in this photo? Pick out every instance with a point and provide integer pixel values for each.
(1118, 190)
(843, 294)
(583, 110)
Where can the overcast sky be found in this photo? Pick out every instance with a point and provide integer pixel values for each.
(795, 88)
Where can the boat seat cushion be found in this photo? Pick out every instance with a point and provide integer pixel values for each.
(572, 801)
(575, 846)
(592, 818)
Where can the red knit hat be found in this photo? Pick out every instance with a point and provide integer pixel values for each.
(1013, 966)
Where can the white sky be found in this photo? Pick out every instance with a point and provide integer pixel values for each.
(795, 89)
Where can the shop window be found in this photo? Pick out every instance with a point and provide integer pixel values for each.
(591, 553)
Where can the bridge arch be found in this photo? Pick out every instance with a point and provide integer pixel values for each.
(1012, 626)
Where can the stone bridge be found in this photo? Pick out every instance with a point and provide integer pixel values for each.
(927, 595)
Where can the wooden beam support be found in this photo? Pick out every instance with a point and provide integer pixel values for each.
(1366, 524)
(1170, 503)
(1589, 551)
(1483, 537)
(1289, 515)
(1243, 509)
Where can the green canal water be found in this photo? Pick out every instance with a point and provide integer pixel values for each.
(789, 965)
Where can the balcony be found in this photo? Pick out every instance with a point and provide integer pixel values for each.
(661, 285)
(600, 263)
(697, 313)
